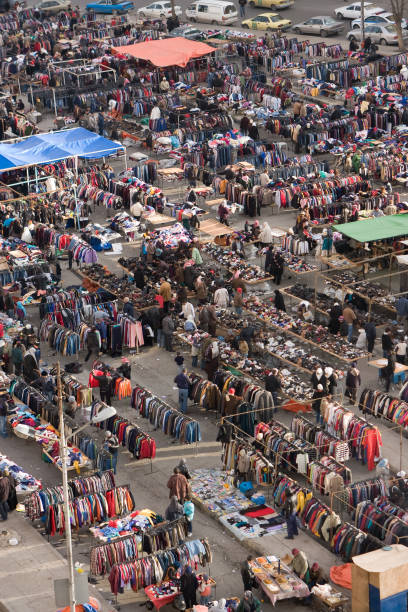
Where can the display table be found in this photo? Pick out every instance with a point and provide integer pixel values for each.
(158, 601)
(399, 371)
(277, 586)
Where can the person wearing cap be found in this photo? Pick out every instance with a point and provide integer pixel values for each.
(164, 85)
(316, 575)
(300, 565)
(249, 603)
(111, 443)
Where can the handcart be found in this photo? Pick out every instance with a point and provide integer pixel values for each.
(158, 602)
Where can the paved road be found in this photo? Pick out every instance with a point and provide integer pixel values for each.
(300, 11)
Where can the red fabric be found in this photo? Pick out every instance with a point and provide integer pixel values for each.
(372, 442)
(293, 406)
(262, 512)
(92, 382)
(341, 575)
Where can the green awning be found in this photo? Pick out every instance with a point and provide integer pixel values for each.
(378, 228)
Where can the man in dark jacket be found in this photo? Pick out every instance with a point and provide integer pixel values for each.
(386, 342)
(105, 387)
(168, 328)
(92, 343)
(371, 334)
(273, 385)
(128, 308)
(247, 574)
(183, 383)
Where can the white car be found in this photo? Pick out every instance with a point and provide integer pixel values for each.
(379, 34)
(157, 10)
(382, 19)
(353, 11)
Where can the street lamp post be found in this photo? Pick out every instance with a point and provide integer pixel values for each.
(103, 415)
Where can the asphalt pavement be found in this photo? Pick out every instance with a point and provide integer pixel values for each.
(301, 10)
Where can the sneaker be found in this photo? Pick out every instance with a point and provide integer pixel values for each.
(190, 533)
(289, 538)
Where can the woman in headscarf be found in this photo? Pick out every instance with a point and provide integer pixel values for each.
(188, 586)
(174, 510)
(249, 603)
(265, 236)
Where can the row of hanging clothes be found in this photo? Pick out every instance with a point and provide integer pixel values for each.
(92, 193)
(150, 570)
(278, 442)
(130, 435)
(151, 540)
(247, 462)
(386, 527)
(101, 457)
(76, 300)
(363, 490)
(89, 509)
(133, 189)
(131, 331)
(172, 422)
(205, 393)
(325, 443)
(64, 341)
(364, 439)
(328, 476)
(121, 386)
(37, 503)
(381, 404)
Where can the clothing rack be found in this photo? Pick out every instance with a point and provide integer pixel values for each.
(325, 443)
(140, 444)
(164, 416)
(126, 546)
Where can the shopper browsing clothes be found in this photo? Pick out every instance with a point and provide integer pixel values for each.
(289, 512)
(353, 381)
(178, 486)
(112, 445)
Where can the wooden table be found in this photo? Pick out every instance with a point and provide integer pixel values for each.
(381, 363)
(325, 605)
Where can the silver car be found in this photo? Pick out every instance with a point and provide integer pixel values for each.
(321, 26)
(383, 35)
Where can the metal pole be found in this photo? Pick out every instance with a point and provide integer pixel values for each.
(55, 102)
(68, 534)
(362, 20)
(401, 448)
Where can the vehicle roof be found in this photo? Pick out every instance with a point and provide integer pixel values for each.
(213, 2)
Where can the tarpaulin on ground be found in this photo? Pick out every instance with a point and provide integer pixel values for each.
(166, 52)
(54, 146)
(378, 228)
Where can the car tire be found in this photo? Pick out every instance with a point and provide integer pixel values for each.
(246, 26)
(339, 15)
(142, 15)
(162, 16)
(297, 30)
(383, 42)
(252, 3)
(214, 22)
(323, 33)
(351, 37)
(193, 19)
(355, 27)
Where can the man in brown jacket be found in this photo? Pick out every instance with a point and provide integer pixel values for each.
(165, 292)
(349, 317)
(178, 485)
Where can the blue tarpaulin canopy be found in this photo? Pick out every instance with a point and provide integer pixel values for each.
(52, 147)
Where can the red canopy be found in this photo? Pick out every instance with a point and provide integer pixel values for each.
(166, 52)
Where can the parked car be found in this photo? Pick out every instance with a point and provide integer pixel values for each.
(353, 11)
(190, 32)
(267, 21)
(53, 7)
(381, 34)
(273, 4)
(321, 26)
(157, 10)
(381, 19)
(110, 6)
(211, 11)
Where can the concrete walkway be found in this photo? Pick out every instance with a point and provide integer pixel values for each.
(28, 570)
